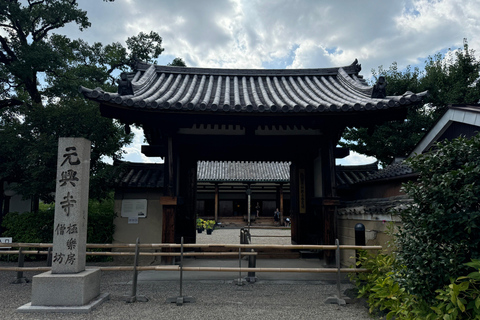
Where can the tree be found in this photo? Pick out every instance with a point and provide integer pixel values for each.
(441, 227)
(177, 62)
(33, 114)
(449, 79)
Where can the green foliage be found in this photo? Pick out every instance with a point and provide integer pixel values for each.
(449, 79)
(382, 291)
(34, 113)
(441, 228)
(30, 142)
(209, 224)
(200, 224)
(461, 298)
(177, 62)
(31, 227)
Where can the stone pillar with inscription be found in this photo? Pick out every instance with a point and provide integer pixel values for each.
(71, 209)
(69, 286)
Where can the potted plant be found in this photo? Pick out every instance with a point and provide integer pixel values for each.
(200, 225)
(209, 224)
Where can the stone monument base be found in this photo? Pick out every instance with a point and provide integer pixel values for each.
(77, 292)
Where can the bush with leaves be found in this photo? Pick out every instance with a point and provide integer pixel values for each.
(441, 228)
(455, 301)
(382, 291)
(461, 298)
(31, 227)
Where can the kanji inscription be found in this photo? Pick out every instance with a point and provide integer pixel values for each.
(71, 212)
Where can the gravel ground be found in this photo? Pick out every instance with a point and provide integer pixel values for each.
(215, 299)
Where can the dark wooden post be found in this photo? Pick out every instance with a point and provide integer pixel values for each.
(330, 201)
(216, 201)
(294, 202)
(280, 192)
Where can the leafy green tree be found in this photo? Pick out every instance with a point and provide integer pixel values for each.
(40, 73)
(449, 79)
(177, 62)
(441, 227)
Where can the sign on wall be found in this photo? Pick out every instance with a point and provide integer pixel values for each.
(134, 208)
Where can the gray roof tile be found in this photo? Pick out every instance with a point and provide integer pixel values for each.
(240, 171)
(139, 175)
(163, 88)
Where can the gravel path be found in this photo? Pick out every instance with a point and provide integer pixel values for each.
(215, 299)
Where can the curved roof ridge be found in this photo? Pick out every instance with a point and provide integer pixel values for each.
(353, 68)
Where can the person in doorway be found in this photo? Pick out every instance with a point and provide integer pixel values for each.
(258, 209)
(276, 216)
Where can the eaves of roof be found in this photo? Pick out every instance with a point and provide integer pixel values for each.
(176, 89)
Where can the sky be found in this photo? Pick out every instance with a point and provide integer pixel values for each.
(279, 34)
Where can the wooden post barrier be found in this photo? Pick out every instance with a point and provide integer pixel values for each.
(181, 299)
(200, 245)
(134, 297)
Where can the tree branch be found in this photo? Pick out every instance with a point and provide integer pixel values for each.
(11, 54)
(10, 103)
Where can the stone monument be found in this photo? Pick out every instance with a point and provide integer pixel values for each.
(69, 286)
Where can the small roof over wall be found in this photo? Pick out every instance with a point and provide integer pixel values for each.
(139, 175)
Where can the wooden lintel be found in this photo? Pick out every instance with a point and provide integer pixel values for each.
(168, 201)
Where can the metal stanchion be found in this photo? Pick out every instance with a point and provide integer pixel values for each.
(240, 281)
(181, 299)
(49, 257)
(337, 298)
(20, 278)
(252, 263)
(134, 297)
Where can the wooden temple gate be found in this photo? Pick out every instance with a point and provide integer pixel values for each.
(193, 114)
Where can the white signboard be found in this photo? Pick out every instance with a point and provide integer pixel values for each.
(132, 220)
(134, 208)
(5, 240)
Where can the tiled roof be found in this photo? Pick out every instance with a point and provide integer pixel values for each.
(348, 175)
(391, 171)
(177, 89)
(243, 171)
(377, 206)
(139, 175)
(145, 175)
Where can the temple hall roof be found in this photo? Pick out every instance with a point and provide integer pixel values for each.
(182, 89)
(243, 171)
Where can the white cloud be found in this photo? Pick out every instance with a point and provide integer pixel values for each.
(305, 34)
(355, 159)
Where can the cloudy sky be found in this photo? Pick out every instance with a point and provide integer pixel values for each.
(287, 33)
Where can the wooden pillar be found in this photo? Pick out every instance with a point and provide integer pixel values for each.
(294, 202)
(216, 201)
(169, 201)
(330, 201)
(280, 191)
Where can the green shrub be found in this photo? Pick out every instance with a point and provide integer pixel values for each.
(456, 301)
(382, 291)
(30, 227)
(461, 298)
(441, 228)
